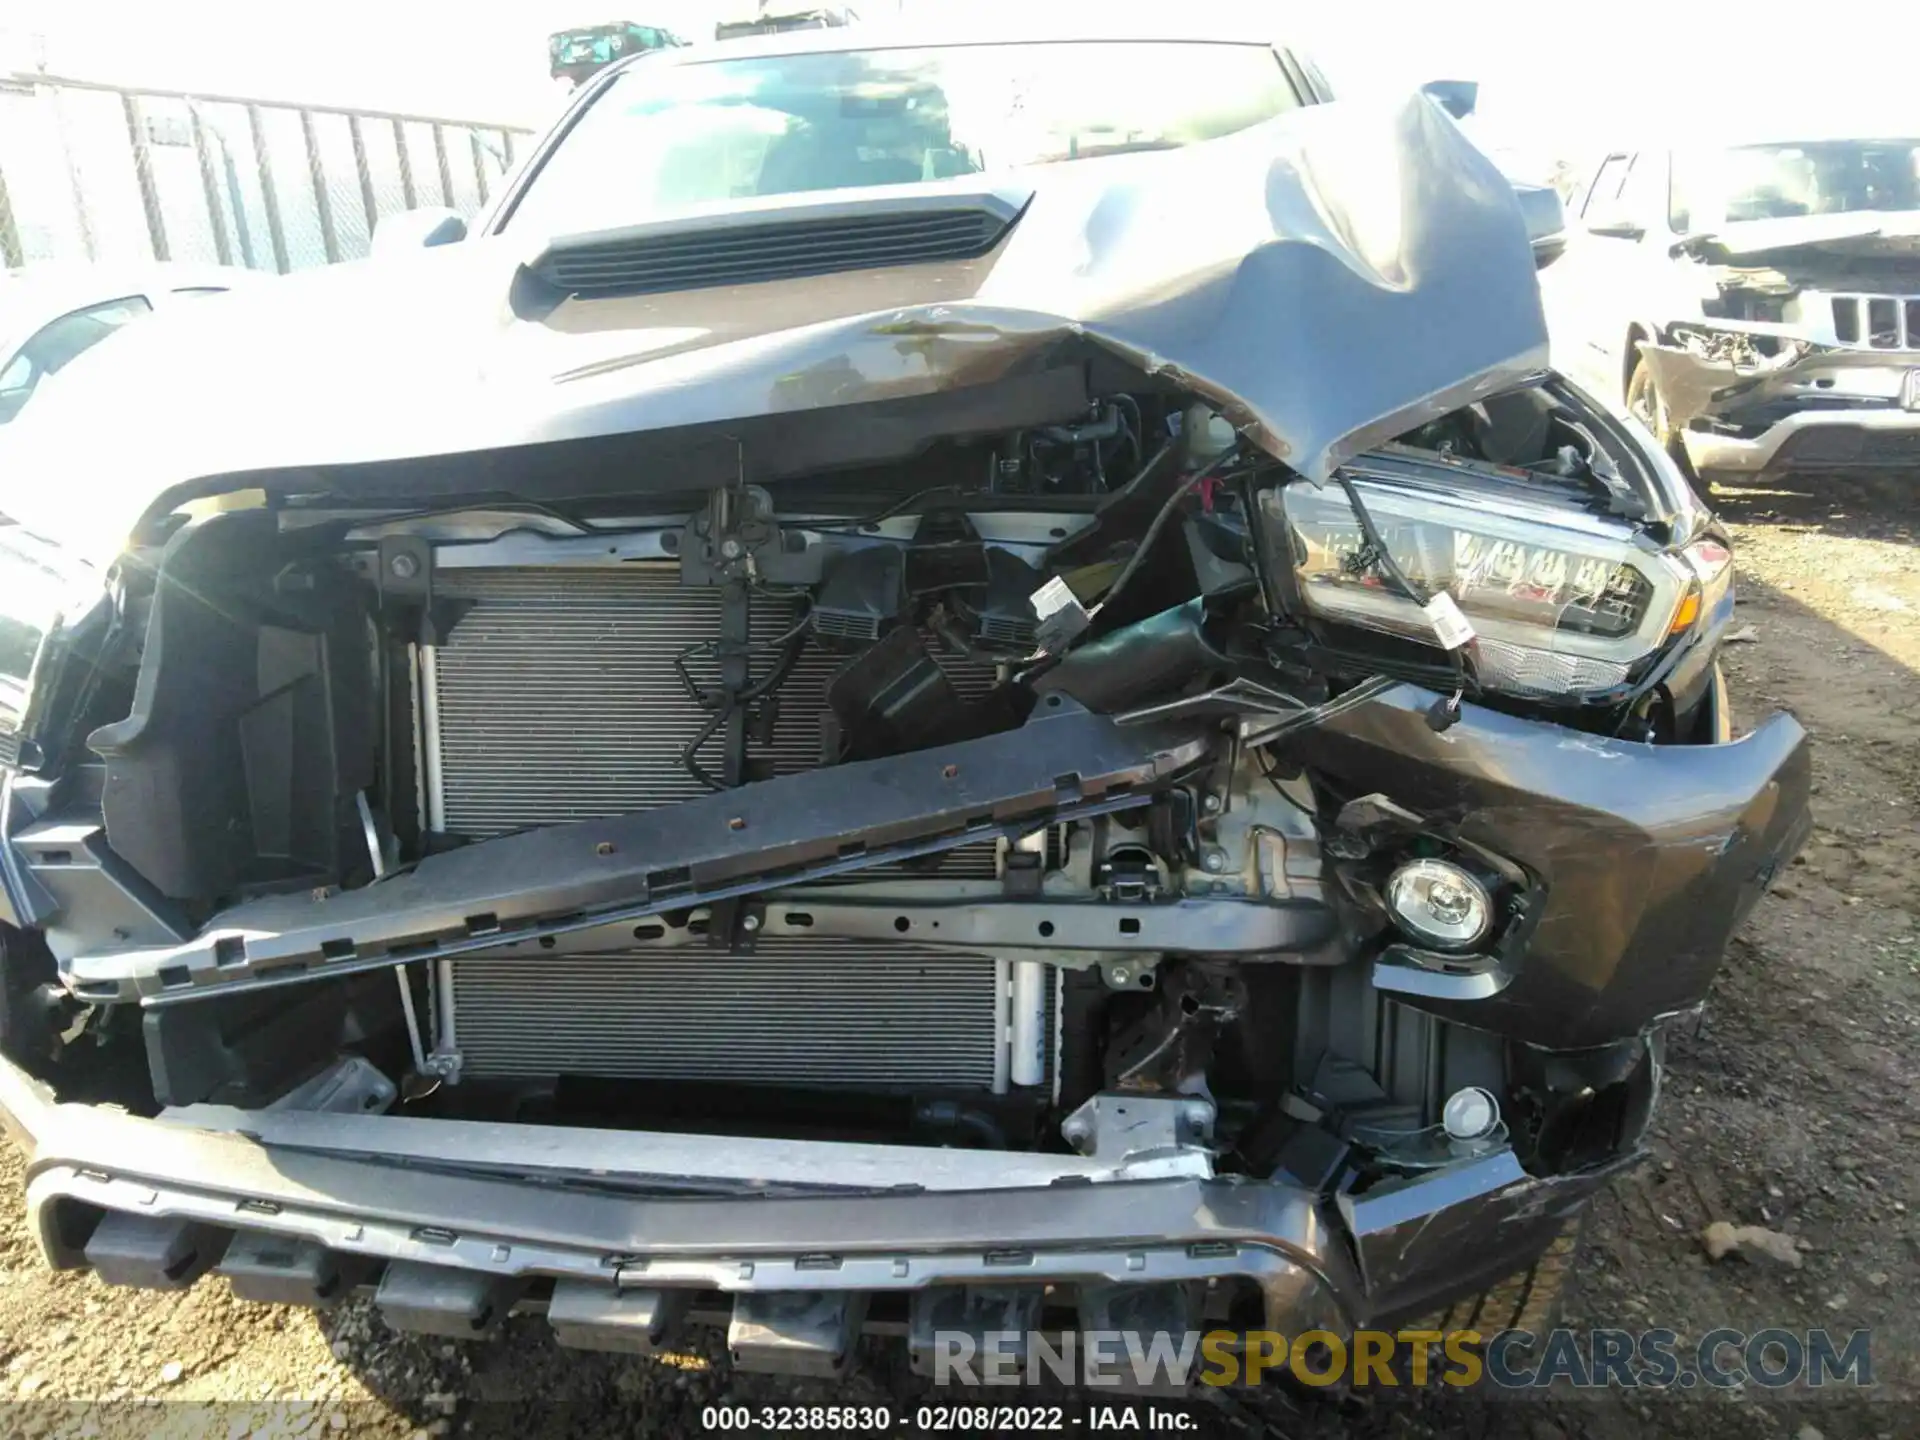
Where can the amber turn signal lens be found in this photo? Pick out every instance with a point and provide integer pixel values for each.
(1688, 613)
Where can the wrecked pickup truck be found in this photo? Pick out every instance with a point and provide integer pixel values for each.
(1757, 306)
(809, 733)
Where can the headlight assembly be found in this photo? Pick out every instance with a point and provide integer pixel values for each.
(1563, 602)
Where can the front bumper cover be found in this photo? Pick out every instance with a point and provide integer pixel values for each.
(1829, 410)
(382, 1191)
(1645, 859)
(1646, 856)
(1812, 440)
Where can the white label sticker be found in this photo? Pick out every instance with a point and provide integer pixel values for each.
(1453, 628)
(1054, 596)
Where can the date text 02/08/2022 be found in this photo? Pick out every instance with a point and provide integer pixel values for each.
(941, 1419)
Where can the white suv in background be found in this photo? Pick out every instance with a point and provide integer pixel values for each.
(1755, 304)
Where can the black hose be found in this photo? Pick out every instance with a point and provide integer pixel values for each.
(1141, 476)
(861, 525)
(951, 1115)
(1181, 491)
(687, 756)
(777, 676)
(726, 703)
(948, 629)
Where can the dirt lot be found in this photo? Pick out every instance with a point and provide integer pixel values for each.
(1794, 1104)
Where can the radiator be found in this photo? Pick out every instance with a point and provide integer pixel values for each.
(558, 700)
(555, 698)
(796, 1011)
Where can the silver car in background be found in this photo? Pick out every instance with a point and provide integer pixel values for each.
(52, 315)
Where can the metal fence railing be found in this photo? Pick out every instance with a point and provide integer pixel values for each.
(97, 172)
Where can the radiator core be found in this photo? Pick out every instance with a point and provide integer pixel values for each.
(555, 698)
(558, 698)
(797, 1011)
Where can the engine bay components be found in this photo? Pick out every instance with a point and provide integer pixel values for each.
(894, 697)
(1000, 615)
(927, 810)
(862, 597)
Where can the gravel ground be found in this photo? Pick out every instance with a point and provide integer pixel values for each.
(1791, 1105)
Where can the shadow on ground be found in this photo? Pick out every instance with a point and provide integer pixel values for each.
(1869, 507)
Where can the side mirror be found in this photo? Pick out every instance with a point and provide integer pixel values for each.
(418, 230)
(1456, 97)
(1546, 218)
(1619, 230)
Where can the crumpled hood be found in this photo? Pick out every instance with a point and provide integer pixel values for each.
(1330, 279)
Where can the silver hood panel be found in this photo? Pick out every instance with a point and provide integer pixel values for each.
(1330, 279)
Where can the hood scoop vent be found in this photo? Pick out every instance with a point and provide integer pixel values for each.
(748, 250)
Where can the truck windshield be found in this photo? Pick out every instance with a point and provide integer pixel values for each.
(671, 138)
(1776, 182)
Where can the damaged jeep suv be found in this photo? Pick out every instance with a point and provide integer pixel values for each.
(945, 688)
(1757, 305)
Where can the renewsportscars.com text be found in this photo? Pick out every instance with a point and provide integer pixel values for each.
(1507, 1359)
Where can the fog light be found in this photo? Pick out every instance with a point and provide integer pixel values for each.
(1470, 1114)
(1440, 904)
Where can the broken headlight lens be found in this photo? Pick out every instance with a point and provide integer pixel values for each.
(1562, 602)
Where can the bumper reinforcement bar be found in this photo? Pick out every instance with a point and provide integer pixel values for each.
(1065, 763)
